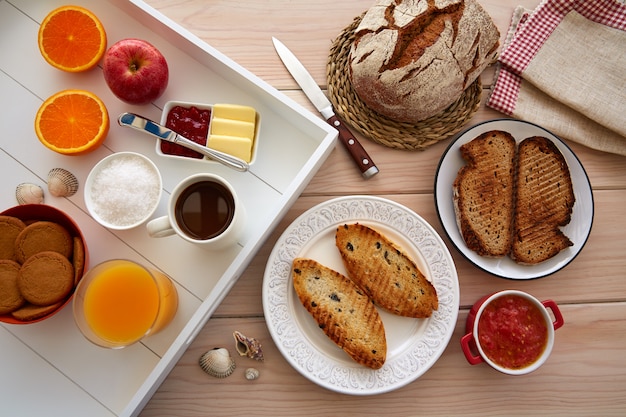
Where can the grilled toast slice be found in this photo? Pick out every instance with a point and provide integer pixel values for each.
(483, 193)
(544, 201)
(345, 314)
(385, 273)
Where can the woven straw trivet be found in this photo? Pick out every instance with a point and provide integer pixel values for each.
(380, 129)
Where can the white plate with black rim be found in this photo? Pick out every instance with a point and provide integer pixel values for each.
(577, 230)
(413, 345)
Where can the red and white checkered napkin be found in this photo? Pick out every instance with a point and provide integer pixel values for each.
(563, 66)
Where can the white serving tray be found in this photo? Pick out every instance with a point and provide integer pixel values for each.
(48, 368)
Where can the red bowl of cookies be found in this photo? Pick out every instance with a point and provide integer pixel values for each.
(43, 255)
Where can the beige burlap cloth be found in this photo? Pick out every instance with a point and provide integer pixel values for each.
(563, 66)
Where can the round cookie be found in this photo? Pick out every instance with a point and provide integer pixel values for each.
(78, 259)
(30, 312)
(43, 236)
(46, 278)
(10, 296)
(10, 228)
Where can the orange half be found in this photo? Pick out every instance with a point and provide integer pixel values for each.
(71, 38)
(72, 122)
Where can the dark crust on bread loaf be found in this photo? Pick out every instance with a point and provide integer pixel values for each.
(384, 272)
(483, 193)
(342, 311)
(410, 61)
(544, 202)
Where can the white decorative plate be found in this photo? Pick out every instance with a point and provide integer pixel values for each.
(413, 345)
(577, 230)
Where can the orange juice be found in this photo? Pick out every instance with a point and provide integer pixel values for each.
(120, 302)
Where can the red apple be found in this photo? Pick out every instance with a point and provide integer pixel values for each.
(135, 71)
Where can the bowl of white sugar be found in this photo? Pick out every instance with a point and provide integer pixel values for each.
(123, 190)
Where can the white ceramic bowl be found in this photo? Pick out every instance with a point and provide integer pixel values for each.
(123, 190)
(505, 319)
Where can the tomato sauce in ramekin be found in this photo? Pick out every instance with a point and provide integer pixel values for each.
(512, 331)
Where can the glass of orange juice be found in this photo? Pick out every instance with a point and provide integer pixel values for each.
(119, 302)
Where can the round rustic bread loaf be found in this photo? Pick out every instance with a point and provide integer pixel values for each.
(411, 59)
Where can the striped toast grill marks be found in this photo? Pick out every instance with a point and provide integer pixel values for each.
(344, 313)
(544, 194)
(384, 272)
(536, 242)
(545, 199)
(484, 191)
(541, 197)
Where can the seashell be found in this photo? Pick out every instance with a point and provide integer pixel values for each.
(251, 374)
(62, 183)
(217, 362)
(27, 193)
(248, 346)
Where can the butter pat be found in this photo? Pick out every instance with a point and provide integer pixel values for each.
(240, 147)
(232, 130)
(231, 127)
(234, 112)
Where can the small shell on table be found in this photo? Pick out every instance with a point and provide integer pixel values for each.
(251, 374)
(248, 346)
(62, 183)
(27, 193)
(217, 362)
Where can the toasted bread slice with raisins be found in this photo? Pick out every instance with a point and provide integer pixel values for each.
(345, 314)
(386, 274)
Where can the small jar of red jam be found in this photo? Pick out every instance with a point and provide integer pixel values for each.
(512, 331)
(191, 122)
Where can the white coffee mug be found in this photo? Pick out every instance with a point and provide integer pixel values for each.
(202, 209)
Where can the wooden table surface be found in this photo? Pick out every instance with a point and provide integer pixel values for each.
(586, 373)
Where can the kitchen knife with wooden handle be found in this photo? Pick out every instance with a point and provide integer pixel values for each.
(325, 107)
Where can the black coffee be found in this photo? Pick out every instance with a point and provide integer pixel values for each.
(204, 210)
